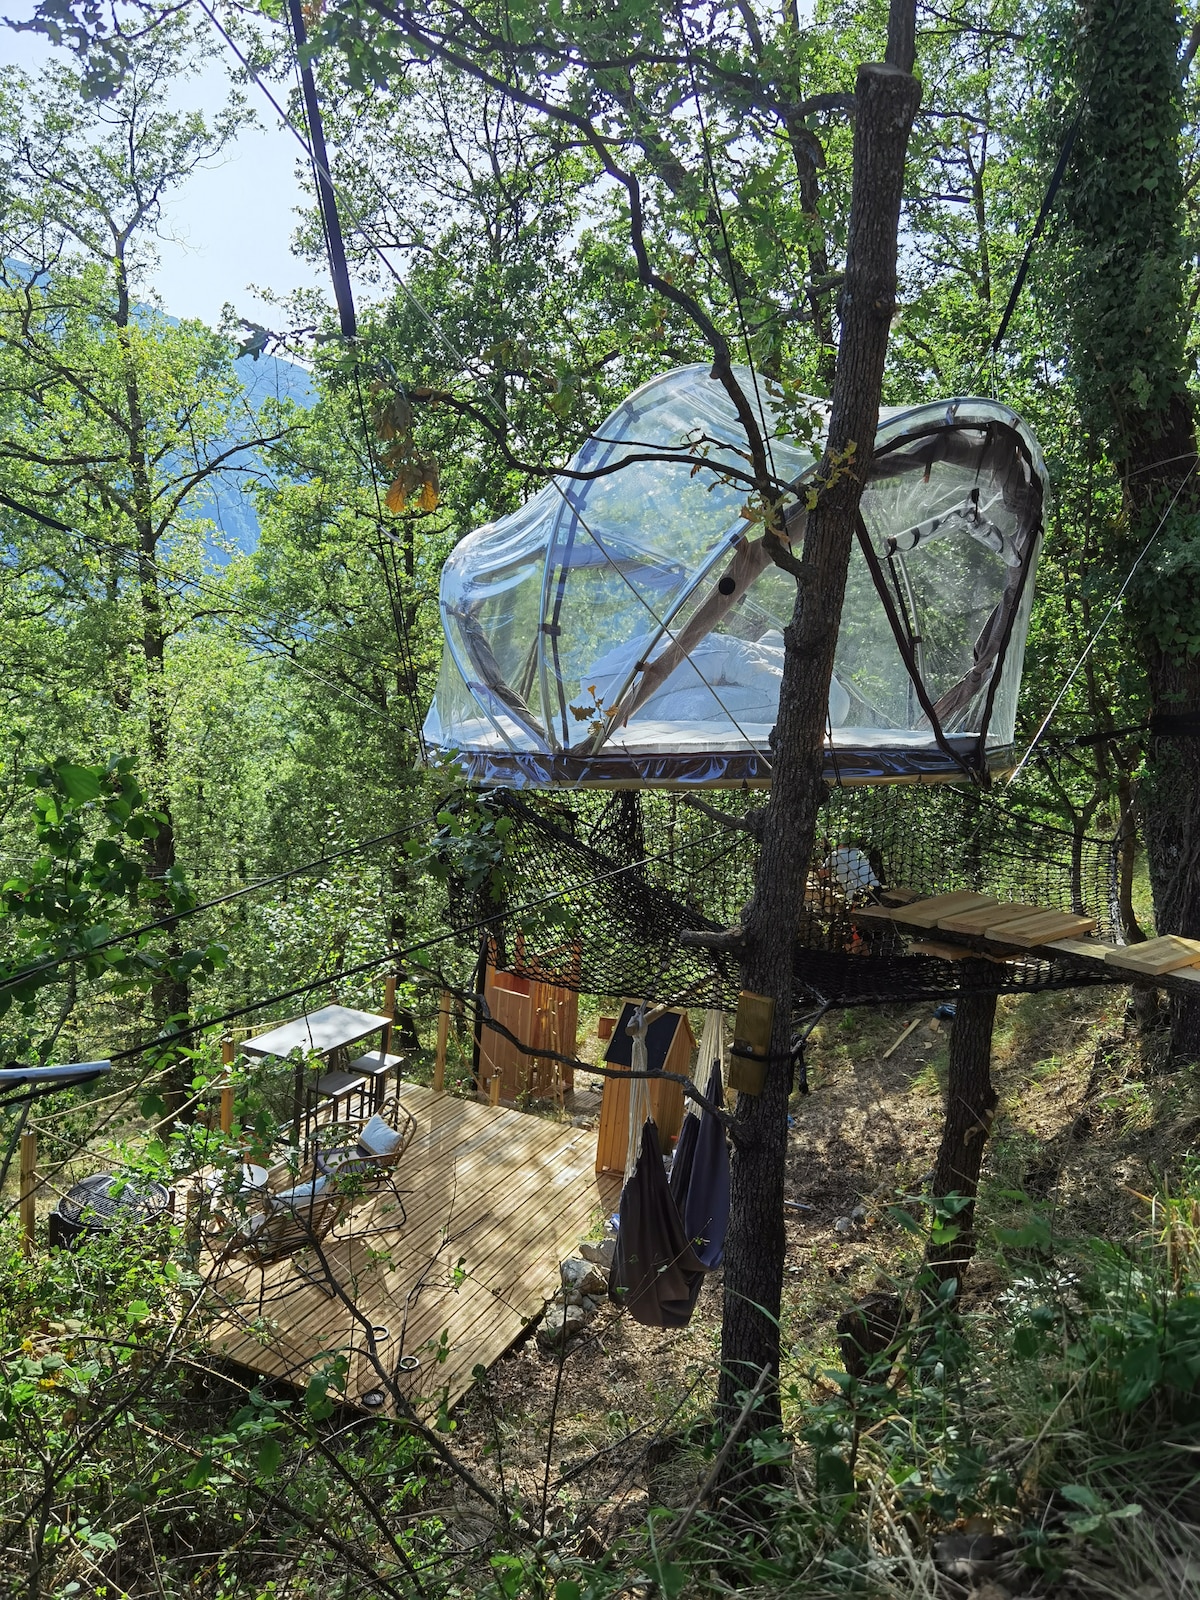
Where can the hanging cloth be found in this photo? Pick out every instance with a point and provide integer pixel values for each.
(709, 1054)
(700, 1172)
(655, 1275)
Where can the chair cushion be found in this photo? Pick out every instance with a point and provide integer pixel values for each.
(301, 1194)
(377, 1139)
(330, 1160)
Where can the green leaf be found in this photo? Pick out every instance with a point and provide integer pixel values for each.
(906, 1220)
(510, 1575)
(1084, 1522)
(1080, 1495)
(270, 1454)
(200, 1473)
(567, 1589)
(1032, 1235)
(671, 1579)
(137, 1311)
(79, 783)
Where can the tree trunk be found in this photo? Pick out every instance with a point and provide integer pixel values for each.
(1163, 492)
(970, 1107)
(887, 99)
(1131, 928)
(1124, 204)
(170, 996)
(1170, 804)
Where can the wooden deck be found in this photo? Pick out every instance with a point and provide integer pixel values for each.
(495, 1199)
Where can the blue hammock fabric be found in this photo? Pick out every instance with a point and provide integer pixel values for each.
(700, 1179)
(672, 1234)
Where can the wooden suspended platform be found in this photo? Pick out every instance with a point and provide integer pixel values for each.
(962, 925)
(494, 1201)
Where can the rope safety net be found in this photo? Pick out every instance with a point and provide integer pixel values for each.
(649, 867)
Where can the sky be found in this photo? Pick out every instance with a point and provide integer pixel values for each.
(232, 223)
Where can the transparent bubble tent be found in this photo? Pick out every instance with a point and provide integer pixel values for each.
(625, 629)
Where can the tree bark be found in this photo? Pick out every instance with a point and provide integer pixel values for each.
(1124, 203)
(170, 995)
(887, 99)
(1170, 805)
(970, 1107)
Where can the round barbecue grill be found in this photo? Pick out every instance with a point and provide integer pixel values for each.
(96, 1204)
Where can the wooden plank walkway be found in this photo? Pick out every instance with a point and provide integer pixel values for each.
(495, 1199)
(982, 926)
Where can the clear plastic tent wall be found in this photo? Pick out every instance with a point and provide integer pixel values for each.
(626, 628)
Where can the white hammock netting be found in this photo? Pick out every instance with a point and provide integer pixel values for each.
(627, 629)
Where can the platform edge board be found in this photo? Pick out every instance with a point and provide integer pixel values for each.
(877, 913)
(926, 913)
(1156, 957)
(985, 917)
(1031, 932)
(1089, 950)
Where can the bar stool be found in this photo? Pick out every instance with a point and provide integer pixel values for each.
(341, 1087)
(375, 1066)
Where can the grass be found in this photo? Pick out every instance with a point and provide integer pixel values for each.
(1062, 1416)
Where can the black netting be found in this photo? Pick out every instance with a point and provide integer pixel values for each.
(625, 875)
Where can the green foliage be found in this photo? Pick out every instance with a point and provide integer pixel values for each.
(276, 716)
(86, 888)
(108, 1398)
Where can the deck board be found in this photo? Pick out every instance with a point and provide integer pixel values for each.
(495, 1199)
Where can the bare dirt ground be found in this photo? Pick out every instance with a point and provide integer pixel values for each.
(1087, 1121)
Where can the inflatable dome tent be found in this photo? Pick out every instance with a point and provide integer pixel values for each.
(625, 629)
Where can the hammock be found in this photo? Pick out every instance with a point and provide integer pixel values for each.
(700, 1171)
(670, 1234)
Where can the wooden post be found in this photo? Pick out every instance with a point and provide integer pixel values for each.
(28, 1190)
(226, 1086)
(389, 1011)
(443, 1039)
(494, 1090)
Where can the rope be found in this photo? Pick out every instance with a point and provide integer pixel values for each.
(713, 1051)
(1052, 187)
(326, 199)
(181, 916)
(1091, 644)
(639, 1092)
(458, 356)
(169, 1041)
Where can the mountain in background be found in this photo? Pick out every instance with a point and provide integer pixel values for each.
(262, 379)
(228, 504)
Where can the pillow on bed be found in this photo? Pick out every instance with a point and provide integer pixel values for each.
(377, 1138)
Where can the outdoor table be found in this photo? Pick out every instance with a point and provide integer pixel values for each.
(325, 1032)
(253, 1181)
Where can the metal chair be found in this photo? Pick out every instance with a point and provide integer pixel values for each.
(361, 1164)
(283, 1221)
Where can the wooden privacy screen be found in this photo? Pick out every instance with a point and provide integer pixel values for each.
(669, 1045)
(544, 1017)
